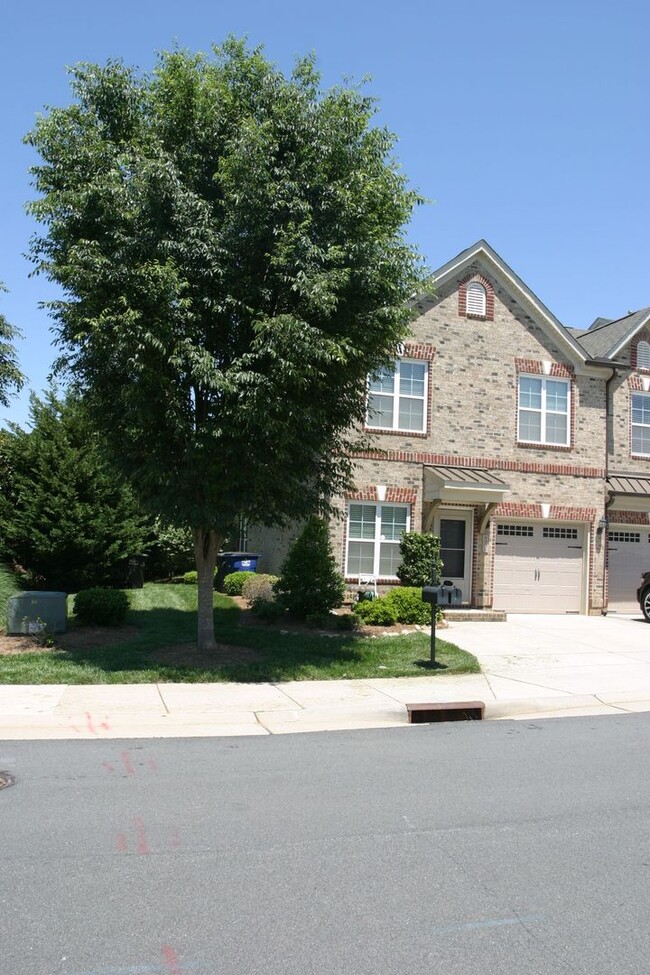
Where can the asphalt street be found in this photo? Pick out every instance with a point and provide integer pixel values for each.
(496, 847)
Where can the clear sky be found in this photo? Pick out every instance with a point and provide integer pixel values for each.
(524, 123)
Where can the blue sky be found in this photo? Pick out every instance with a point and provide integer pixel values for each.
(526, 124)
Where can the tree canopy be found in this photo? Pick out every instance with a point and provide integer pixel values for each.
(230, 244)
(11, 378)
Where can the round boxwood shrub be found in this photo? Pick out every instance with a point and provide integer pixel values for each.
(376, 612)
(233, 583)
(408, 605)
(190, 578)
(101, 607)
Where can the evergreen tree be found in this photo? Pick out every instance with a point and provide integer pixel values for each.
(70, 521)
(310, 583)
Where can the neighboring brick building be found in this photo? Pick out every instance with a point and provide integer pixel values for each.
(508, 435)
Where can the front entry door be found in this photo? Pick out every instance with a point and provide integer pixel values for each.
(455, 531)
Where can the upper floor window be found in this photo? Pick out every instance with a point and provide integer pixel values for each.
(397, 397)
(641, 423)
(544, 406)
(374, 534)
(476, 299)
(643, 355)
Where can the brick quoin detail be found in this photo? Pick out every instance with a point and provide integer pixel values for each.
(535, 368)
(394, 495)
(629, 518)
(450, 460)
(516, 509)
(489, 298)
(636, 382)
(419, 350)
(643, 336)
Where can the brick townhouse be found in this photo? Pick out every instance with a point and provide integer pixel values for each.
(523, 444)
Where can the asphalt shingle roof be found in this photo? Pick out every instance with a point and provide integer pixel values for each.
(601, 340)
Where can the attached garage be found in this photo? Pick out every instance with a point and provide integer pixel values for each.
(628, 555)
(539, 568)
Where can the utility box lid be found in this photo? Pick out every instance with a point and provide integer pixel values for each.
(33, 612)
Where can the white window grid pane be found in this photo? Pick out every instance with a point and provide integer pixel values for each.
(558, 532)
(380, 411)
(374, 534)
(640, 440)
(530, 426)
(556, 428)
(553, 397)
(530, 393)
(615, 536)
(383, 381)
(641, 408)
(411, 379)
(411, 414)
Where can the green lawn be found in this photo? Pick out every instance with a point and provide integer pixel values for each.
(165, 615)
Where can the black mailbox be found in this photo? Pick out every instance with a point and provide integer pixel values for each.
(430, 594)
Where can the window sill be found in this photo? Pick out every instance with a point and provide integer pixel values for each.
(394, 432)
(563, 448)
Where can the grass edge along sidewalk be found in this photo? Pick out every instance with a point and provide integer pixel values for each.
(158, 645)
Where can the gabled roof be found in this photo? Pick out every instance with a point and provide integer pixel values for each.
(605, 340)
(554, 327)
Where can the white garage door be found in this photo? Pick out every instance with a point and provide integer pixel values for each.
(538, 568)
(628, 556)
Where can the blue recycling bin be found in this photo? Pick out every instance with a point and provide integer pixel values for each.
(228, 562)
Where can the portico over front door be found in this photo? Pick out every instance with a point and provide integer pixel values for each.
(455, 531)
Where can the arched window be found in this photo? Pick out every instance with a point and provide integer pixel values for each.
(643, 355)
(476, 298)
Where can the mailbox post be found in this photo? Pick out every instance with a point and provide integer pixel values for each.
(430, 595)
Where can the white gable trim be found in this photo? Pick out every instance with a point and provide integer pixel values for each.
(628, 338)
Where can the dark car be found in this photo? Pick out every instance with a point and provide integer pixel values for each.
(643, 595)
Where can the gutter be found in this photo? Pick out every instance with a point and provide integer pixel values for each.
(617, 368)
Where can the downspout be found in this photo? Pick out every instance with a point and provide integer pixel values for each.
(609, 499)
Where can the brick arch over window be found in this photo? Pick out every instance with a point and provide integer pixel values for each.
(638, 356)
(489, 298)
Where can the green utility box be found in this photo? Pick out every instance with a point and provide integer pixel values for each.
(33, 612)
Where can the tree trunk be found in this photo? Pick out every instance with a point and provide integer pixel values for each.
(206, 546)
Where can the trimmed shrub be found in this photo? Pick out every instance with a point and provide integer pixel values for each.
(259, 588)
(310, 583)
(191, 578)
(347, 621)
(233, 583)
(408, 605)
(420, 552)
(268, 610)
(376, 612)
(101, 607)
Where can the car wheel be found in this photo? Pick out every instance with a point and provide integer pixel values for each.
(645, 603)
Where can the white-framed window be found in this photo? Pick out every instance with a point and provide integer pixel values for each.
(374, 534)
(397, 397)
(476, 298)
(643, 355)
(544, 410)
(640, 423)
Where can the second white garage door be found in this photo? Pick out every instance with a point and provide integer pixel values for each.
(628, 556)
(538, 568)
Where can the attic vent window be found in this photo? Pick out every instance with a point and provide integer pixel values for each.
(476, 299)
(643, 355)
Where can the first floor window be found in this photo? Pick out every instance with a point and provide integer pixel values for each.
(641, 423)
(397, 397)
(374, 534)
(544, 410)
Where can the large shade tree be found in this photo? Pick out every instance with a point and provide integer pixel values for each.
(11, 378)
(231, 250)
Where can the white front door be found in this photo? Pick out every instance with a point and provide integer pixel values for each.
(455, 531)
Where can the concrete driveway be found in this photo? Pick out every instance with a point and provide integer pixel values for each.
(553, 656)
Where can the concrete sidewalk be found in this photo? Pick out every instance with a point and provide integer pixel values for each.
(533, 666)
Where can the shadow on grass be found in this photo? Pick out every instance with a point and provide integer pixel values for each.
(430, 665)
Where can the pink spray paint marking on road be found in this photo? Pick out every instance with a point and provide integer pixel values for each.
(121, 843)
(91, 727)
(143, 845)
(126, 762)
(108, 766)
(171, 960)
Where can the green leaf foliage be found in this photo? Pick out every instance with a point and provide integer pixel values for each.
(376, 612)
(230, 243)
(408, 605)
(11, 378)
(420, 555)
(71, 521)
(101, 607)
(310, 583)
(233, 583)
(170, 550)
